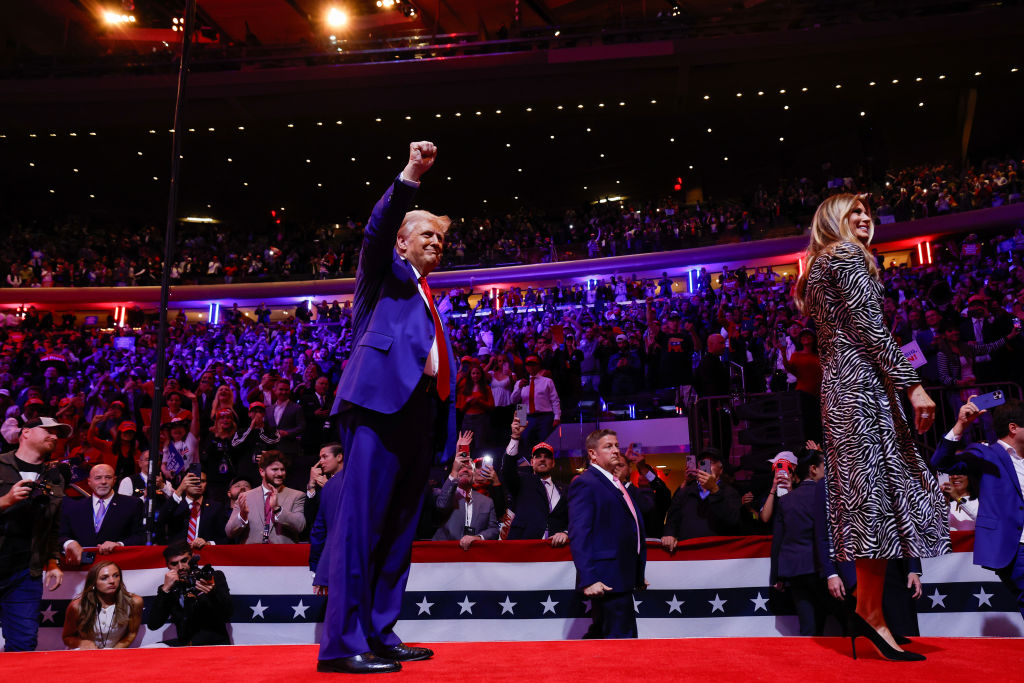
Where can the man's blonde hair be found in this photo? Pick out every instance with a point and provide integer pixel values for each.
(414, 218)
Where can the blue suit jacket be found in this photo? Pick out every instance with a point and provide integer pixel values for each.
(997, 530)
(796, 518)
(122, 522)
(602, 534)
(319, 536)
(392, 326)
(393, 329)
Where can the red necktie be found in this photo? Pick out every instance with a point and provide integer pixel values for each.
(443, 371)
(533, 408)
(193, 522)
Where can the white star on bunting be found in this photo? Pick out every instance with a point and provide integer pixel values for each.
(506, 607)
(636, 605)
(717, 605)
(588, 604)
(48, 613)
(675, 605)
(549, 605)
(759, 602)
(937, 598)
(258, 609)
(300, 610)
(983, 597)
(424, 606)
(466, 606)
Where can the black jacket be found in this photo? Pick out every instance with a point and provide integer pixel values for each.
(213, 518)
(198, 620)
(530, 503)
(689, 516)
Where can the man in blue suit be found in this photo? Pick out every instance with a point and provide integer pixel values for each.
(999, 529)
(396, 413)
(606, 535)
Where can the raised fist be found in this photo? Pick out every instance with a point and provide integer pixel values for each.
(421, 157)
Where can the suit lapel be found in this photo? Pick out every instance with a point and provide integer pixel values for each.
(609, 486)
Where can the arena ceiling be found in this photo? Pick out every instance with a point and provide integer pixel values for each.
(722, 96)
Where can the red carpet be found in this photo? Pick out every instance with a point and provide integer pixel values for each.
(738, 659)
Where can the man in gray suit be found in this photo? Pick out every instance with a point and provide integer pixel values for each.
(271, 513)
(469, 514)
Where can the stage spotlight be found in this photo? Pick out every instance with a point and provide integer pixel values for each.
(336, 18)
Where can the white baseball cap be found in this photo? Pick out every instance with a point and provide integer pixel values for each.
(784, 455)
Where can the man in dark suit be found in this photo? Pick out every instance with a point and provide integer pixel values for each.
(468, 515)
(316, 405)
(396, 412)
(189, 516)
(998, 541)
(703, 506)
(200, 613)
(540, 505)
(794, 565)
(712, 379)
(606, 534)
(105, 520)
(288, 419)
(330, 462)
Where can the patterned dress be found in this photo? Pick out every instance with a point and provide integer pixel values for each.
(883, 502)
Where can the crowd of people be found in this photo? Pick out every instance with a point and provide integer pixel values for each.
(78, 253)
(247, 441)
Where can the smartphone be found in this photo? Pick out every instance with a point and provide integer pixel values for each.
(521, 413)
(487, 460)
(990, 400)
(943, 478)
(705, 465)
(88, 557)
(638, 448)
(1016, 323)
(196, 469)
(691, 463)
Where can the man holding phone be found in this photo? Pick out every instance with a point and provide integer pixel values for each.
(539, 503)
(998, 540)
(704, 505)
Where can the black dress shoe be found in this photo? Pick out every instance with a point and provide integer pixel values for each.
(403, 653)
(366, 663)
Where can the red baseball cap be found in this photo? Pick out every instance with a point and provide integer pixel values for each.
(533, 359)
(127, 426)
(257, 404)
(543, 446)
(34, 402)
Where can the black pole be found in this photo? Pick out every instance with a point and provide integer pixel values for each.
(155, 454)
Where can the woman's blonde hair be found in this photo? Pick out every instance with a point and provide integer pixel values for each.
(830, 226)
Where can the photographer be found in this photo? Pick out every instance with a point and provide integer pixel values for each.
(30, 500)
(196, 600)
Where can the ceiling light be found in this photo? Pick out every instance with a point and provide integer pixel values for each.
(336, 17)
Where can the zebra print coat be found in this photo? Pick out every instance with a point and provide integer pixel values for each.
(883, 502)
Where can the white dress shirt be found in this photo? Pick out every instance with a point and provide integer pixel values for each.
(432, 358)
(545, 397)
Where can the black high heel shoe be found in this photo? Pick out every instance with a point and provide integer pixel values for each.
(901, 640)
(860, 627)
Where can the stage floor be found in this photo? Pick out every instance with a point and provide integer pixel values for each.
(730, 659)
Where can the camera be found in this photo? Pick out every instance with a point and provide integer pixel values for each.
(195, 573)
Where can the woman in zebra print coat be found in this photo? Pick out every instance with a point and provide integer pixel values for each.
(883, 502)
